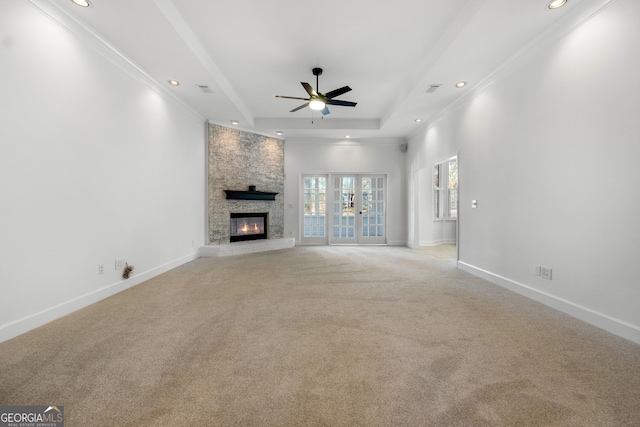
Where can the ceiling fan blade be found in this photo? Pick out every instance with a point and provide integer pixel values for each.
(343, 103)
(337, 92)
(291, 97)
(325, 111)
(312, 93)
(299, 108)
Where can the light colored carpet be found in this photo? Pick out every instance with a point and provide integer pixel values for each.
(445, 251)
(323, 336)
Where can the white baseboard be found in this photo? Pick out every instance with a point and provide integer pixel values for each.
(437, 242)
(32, 321)
(610, 324)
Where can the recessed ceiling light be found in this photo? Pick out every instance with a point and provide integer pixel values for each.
(461, 84)
(347, 136)
(82, 3)
(174, 82)
(418, 120)
(279, 133)
(554, 4)
(235, 122)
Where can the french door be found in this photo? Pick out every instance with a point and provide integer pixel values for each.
(343, 209)
(359, 209)
(314, 210)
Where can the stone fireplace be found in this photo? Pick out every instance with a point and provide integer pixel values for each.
(239, 161)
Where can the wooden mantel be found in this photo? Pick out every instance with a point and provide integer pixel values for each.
(250, 195)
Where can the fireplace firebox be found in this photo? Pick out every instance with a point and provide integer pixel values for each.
(247, 226)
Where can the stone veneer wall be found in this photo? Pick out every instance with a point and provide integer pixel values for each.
(238, 159)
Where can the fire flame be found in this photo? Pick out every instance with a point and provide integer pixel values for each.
(246, 228)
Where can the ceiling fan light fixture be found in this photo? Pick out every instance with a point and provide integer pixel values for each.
(318, 101)
(317, 104)
(554, 4)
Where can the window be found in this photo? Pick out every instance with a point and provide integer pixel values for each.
(445, 190)
(437, 191)
(315, 191)
(452, 189)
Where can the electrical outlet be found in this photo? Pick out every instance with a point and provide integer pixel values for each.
(120, 264)
(100, 270)
(545, 273)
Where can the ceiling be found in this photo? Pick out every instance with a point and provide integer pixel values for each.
(389, 52)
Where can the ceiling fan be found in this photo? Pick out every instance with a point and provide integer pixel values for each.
(319, 101)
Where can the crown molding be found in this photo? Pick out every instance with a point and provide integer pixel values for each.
(562, 28)
(104, 48)
(369, 142)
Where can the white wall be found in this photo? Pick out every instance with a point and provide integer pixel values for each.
(95, 166)
(432, 145)
(306, 157)
(550, 152)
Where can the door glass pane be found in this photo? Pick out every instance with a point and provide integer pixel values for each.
(344, 208)
(372, 207)
(315, 188)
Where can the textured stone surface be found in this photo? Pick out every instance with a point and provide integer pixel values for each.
(238, 159)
